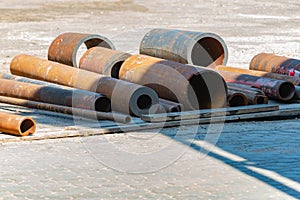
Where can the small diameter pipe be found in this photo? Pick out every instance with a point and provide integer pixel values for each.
(16, 125)
(235, 98)
(67, 110)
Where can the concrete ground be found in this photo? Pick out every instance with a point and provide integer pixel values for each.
(248, 160)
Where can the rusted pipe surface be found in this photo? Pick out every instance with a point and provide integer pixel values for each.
(235, 98)
(103, 61)
(16, 125)
(276, 64)
(187, 47)
(125, 97)
(67, 110)
(275, 89)
(170, 106)
(292, 79)
(54, 95)
(193, 87)
(64, 47)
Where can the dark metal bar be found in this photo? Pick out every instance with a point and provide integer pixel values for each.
(125, 97)
(170, 106)
(276, 64)
(193, 87)
(64, 47)
(16, 125)
(187, 47)
(67, 110)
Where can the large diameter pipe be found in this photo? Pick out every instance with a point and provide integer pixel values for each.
(275, 89)
(193, 87)
(16, 125)
(276, 64)
(77, 99)
(125, 97)
(187, 47)
(66, 110)
(235, 98)
(292, 79)
(103, 61)
(64, 47)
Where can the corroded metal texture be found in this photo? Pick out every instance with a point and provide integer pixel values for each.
(103, 61)
(16, 125)
(54, 95)
(125, 97)
(170, 106)
(254, 95)
(67, 110)
(193, 87)
(187, 47)
(273, 63)
(292, 79)
(275, 89)
(235, 98)
(64, 47)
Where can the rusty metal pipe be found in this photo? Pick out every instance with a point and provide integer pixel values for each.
(66, 110)
(193, 87)
(273, 63)
(292, 79)
(103, 61)
(187, 47)
(235, 98)
(74, 97)
(275, 89)
(16, 125)
(170, 106)
(254, 95)
(54, 95)
(125, 97)
(64, 47)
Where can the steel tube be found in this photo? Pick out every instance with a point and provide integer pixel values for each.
(292, 79)
(235, 98)
(187, 47)
(74, 97)
(193, 87)
(254, 95)
(275, 89)
(170, 106)
(16, 125)
(66, 110)
(103, 61)
(64, 47)
(54, 95)
(273, 63)
(125, 97)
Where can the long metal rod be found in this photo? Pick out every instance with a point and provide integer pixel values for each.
(16, 125)
(67, 110)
